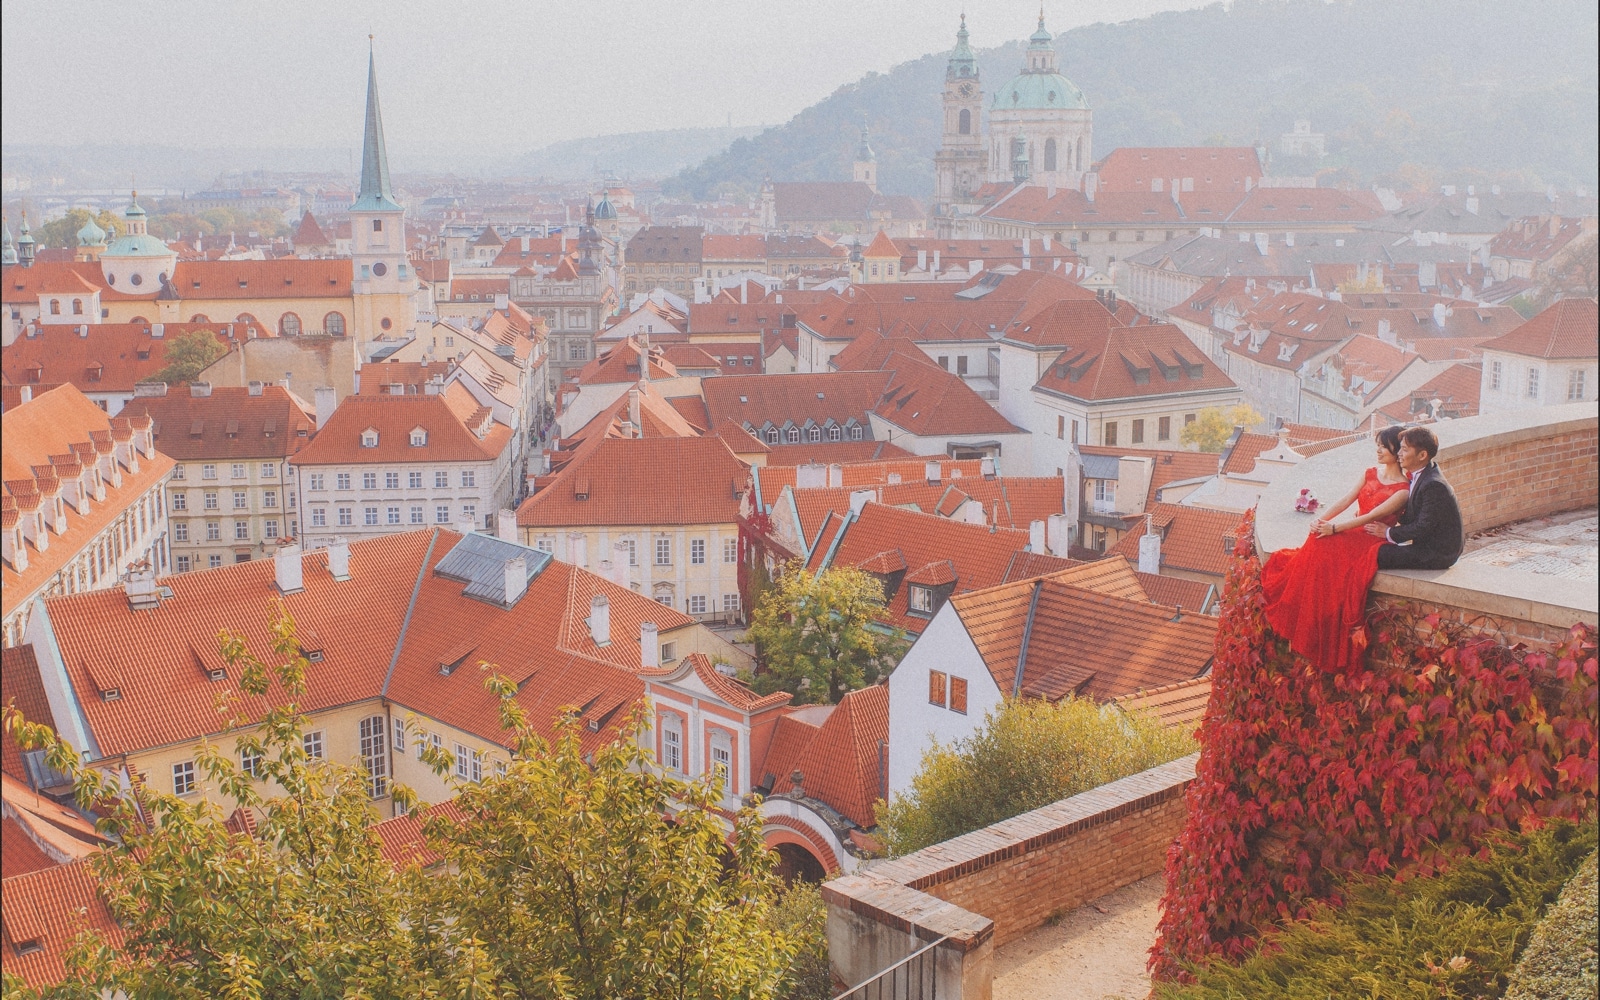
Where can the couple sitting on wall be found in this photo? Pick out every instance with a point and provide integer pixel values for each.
(1406, 518)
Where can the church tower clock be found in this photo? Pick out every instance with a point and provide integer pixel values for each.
(961, 163)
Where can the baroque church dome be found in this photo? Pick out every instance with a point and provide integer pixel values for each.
(1039, 87)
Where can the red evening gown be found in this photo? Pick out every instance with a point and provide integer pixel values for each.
(1316, 594)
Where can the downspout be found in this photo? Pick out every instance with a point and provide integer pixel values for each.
(1027, 633)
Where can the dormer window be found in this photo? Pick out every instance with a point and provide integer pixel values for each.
(419, 437)
(921, 600)
(369, 438)
(218, 674)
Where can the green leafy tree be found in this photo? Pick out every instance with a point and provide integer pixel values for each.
(189, 355)
(801, 914)
(63, 232)
(1027, 754)
(816, 635)
(307, 906)
(1212, 426)
(592, 876)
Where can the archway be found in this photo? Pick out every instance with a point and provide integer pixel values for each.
(797, 863)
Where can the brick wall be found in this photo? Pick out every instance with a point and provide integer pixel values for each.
(1512, 477)
(990, 886)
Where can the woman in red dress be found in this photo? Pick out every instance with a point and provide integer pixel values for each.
(1316, 594)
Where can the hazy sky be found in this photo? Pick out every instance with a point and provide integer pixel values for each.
(489, 77)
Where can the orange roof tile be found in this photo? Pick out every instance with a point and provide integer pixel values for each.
(18, 852)
(445, 417)
(1193, 539)
(410, 376)
(1134, 362)
(621, 481)
(289, 278)
(1211, 168)
(1182, 703)
(22, 688)
(48, 908)
(229, 423)
(1569, 328)
(110, 357)
(845, 763)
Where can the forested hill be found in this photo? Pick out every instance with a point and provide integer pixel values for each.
(1419, 91)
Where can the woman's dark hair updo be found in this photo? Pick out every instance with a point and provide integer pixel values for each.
(1389, 437)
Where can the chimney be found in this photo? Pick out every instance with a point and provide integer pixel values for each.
(931, 472)
(1036, 536)
(158, 330)
(649, 646)
(27, 394)
(199, 390)
(836, 475)
(255, 388)
(744, 293)
(1439, 314)
(1288, 239)
(327, 401)
(1027, 247)
(578, 549)
(339, 559)
(1057, 530)
(516, 579)
(621, 572)
(141, 587)
(922, 260)
(811, 476)
(600, 620)
(505, 525)
(502, 302)
(633, 396)
(972, 512)
(1150, 548)
(859, 499)
(287, 563)
(936, 262)
(524, 245)
(986, 466)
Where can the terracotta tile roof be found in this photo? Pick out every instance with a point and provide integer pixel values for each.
(731, 691)
(881, 246)
(1566, 329)
(1539, 237)
(1457, 389)
(24, 285)
(43, 908)
(924, 399)
(309, 234)
(1134, 362)
(1212, 168)
(956, 255)
(22, 688)
(1291, 206)
(1084, 642)
(738, 440)
(621, 481)
(621, 364)
(450, 419)
(887, 469)
(478, 289)
(19, 854)
(1182, 703)
(228, 424)
(1169, 467)
(432, 270)
(1241, 459)
(753, 401)
(1173, 592)
(289, 278)
(401, 840)
(53, 432)
(792, 734)
(840, 452)
(411, 376)
(843, 764)
(544, 251)
(57, 831)
(110, 358)
(673, 244)
(1027, 565)
(716, 246)
(1193, 539)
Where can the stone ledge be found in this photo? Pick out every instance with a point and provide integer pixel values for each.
(1497, 592)
(909, 911)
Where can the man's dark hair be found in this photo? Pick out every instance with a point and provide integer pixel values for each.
(1421, 439)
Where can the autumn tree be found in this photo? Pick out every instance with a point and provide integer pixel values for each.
(817, 636)
(1026, 754)
(189, 355)
(1212, 426)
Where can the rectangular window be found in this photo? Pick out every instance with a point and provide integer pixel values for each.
(1138, 432)
(671, 748)
(722, 766)
(936, 681)
(1074, 432)
(177, 472)
(1061, 427)
(241, 531)
(958, 695)
(1105, 490)
(1533, 383)
(469, 478)
(393, 515)
(416, 513)
(1188, 418)
(730, 602)
(319, 517)
(961, 364)
(313, 744)
(500, 768)
(697, 604)
(391, 480)
(183, 778)
(270, 529)
(180, 501)
(697, 551)
(314, 481)
(475, 766)
(369, 480)
(213, 531)
(374, 756)
(269, 470)
(921, 599)
(414, 480)
(213, 561)
(1497, 370)
(399, 737)
(182, 564)
(180, 531)
(369, 516)
(211, 500)
(250, 762)
(1575, 386)
(1111, 433)
(469, 513)
(441, 513)
(730, 550)
(341, 481)
(463, 756)
(237, 471)
(347, 516)
(241, 500)
(944, 361)
(663, 552)
(269, 498)
(208, 471)
(441, 480)
(1164, 429)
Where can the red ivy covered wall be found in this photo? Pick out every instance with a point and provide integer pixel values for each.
(1442, 737)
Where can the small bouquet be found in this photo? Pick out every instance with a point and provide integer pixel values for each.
(1305, 503)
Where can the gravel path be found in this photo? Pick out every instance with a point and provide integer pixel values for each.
(1089, 954)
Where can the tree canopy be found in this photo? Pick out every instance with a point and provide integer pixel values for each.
(1028, 753)
(816, 635)
(63, 232)
(1212, 426)
(189, 355)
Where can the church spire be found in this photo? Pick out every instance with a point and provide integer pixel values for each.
(377, 194)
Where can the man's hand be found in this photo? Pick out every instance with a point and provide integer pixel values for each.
(1378, 528)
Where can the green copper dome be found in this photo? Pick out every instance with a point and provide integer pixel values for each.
(91, 235)
(1038, 91)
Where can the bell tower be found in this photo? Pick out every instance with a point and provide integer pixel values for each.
(383, 283)
(961, 162)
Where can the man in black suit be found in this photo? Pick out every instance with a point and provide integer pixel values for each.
(1429, 535)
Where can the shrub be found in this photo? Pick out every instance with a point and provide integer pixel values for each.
(1561, 961)
(1456, 934)
(801, 917)
(1028, 754)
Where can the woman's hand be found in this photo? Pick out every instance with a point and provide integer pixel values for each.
(1323, 528)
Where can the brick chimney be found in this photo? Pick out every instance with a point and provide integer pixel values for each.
(286, 561)
(649, 646)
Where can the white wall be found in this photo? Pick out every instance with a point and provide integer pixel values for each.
(1555, 378)
(914, 724)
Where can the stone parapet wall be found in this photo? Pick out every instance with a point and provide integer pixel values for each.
(1523, 473)
(983, 889)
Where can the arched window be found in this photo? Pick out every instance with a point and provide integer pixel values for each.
(247, 318)
(793, 435)
(1049, 154)
(772, 435)
(833, 433)
(55, 307)
(77, 307)
(965, 127)
(814, 434)
(855, 433)
(289, 325)
(333, 324)
(199, 318)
